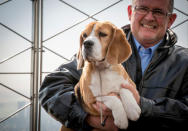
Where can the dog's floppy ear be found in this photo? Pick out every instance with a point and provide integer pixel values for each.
(119, 49)
(80, 60)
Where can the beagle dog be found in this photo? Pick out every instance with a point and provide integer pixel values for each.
(103, 47)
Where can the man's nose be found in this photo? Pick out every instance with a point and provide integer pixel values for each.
(149, 16)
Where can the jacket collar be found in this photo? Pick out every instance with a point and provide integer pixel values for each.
(169, 40)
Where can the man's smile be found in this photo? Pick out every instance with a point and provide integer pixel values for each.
(149, 26)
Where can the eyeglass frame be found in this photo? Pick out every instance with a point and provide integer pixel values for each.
(153, 11)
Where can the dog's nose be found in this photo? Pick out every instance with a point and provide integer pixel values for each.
(88, 44)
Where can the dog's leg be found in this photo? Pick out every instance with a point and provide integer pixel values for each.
(130, 105)
(118, 112)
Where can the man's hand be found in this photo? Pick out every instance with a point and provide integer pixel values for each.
(95, 121)
(133, 90)
(105, 110)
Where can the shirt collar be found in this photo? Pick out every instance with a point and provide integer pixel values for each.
(139, 46)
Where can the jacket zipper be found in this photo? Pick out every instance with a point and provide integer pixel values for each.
(150, 64)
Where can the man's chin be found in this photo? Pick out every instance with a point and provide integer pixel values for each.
(148, 41)
(147, 36)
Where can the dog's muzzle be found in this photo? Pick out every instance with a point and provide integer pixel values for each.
(88, 47)
(88, 44)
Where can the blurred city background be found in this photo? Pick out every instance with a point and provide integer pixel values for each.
(30, 50)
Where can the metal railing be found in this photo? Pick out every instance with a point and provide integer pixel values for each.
(35, 69)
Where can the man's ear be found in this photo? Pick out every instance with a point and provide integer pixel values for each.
(129, 10)
(80, 60)
(172, 18)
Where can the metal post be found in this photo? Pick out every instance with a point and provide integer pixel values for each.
(41, 58)
(35, 82)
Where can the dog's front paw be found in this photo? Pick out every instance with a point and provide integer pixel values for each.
(120, 116)
(120, 120)
(133, 112)
(118, 112)
(130, 105)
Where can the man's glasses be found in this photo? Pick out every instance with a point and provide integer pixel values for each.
(158, 13)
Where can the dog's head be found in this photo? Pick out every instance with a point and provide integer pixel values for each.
(103, 41)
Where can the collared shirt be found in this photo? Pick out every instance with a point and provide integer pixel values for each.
(145, 53)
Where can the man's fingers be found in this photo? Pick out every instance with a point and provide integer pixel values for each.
(133, 90)
(106, 111)
(103, 106)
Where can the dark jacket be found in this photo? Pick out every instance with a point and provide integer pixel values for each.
(163, 89)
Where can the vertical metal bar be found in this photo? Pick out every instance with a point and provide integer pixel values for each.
(41, 58)
(35, 66)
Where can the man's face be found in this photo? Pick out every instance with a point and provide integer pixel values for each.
(149, 28)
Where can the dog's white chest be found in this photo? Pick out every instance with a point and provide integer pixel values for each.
(105, 81)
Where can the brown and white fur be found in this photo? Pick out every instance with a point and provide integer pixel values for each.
(103, 47)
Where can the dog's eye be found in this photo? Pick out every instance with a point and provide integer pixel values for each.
(84, 35)
(101, 34)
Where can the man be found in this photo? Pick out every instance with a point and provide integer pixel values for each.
(157, 66)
